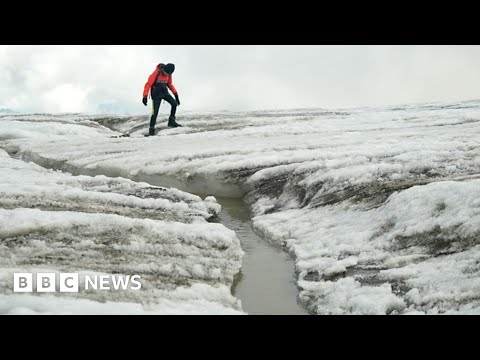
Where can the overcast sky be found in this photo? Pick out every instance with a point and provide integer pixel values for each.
(97, 78)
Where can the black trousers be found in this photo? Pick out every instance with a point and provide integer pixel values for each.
(156, 107)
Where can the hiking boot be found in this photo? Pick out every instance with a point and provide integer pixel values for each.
(151, 131)
(172, 123)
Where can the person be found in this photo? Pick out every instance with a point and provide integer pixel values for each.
(158, 84)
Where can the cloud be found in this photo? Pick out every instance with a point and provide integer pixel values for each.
(235, 77)
(66, 98)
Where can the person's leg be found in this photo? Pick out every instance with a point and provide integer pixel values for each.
(168, 98)
(171, 120)
(153, 119)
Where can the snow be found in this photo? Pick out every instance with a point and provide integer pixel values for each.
(54, 222)
(378, 205)
(199, 299)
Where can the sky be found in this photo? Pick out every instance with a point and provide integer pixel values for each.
(110, 78)
(380, 208)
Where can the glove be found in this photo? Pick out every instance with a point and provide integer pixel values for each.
(144, 100)
(177, 99)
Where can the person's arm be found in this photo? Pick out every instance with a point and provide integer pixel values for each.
(149, 83)
(172, 88)
(170, 85)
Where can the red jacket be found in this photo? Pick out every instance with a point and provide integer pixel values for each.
(163, 79)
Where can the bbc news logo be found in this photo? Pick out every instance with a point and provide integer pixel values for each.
(69, 282)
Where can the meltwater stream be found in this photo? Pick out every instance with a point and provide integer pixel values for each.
(266, 285)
